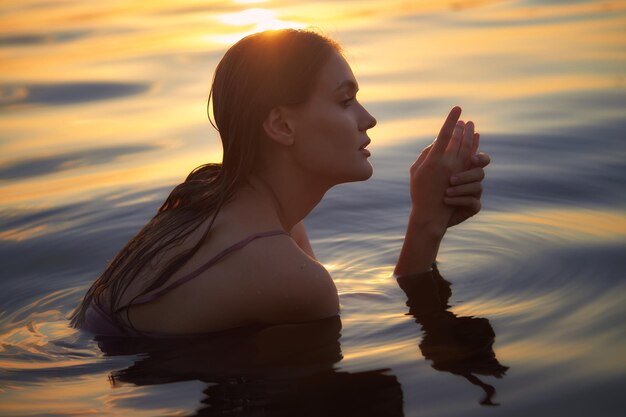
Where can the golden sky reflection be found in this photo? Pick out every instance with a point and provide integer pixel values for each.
(34, 340)
(78, 396)
(595, 355)
(495, 307)
(37, 336)
(398, 352)
(173, 46)
(578, 338)
(575, 225)
(23, 233)
(530, 340)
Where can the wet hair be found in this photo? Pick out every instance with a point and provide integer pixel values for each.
(260, 72)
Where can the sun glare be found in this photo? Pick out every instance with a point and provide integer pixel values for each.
(259, 19)
(248, 17)
(250, 1)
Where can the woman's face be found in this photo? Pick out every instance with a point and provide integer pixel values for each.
(331, 128)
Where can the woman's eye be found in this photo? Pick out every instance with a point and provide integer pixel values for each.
(347, 102)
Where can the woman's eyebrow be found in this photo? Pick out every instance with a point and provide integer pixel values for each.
(348, 84)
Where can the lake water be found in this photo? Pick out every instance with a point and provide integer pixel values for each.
(103, 111)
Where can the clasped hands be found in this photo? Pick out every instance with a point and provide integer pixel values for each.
(446, 177)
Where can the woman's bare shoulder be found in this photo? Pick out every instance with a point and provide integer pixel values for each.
(279, 283)
(290, 285)
(268, 281)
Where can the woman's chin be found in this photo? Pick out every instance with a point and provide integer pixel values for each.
(361, 172)
(364, 172)
(369, 172)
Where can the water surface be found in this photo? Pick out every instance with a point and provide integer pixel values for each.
(103, 111)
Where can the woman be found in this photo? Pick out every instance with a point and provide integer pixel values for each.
(228, 247)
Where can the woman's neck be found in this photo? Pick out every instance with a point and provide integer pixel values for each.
(292, 198)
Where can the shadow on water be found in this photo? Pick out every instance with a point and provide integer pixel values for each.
(290, 369)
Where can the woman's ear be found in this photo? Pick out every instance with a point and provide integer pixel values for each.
(278, 128)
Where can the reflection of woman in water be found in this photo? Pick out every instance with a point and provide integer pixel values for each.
(228, 247)
(289, 370)
(284, 370)
(460, 345)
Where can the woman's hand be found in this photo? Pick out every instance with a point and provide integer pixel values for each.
(430, 217)
(447, 156)
(466, 189)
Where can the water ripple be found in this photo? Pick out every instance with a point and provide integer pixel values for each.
(62, 94)
(33, 167)
(36, 39)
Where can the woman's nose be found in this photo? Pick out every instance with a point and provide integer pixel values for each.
(368, 121)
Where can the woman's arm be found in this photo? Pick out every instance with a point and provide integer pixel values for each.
(298, 234)
(420, 247)
(430, 216)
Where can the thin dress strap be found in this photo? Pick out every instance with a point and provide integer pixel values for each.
(151, 297)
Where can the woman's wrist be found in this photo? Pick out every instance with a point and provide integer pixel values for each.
(416, 275)
(433, 227)
(420, 248)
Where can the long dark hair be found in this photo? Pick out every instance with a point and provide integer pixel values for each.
(258, 73)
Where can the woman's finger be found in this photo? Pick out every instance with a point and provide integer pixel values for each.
(457, 138)
(424, 154)
(481, 160)
(474, 189)
(466, 202)
(468, 139)
(475, 144)
(441, 143)
(465, 177)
